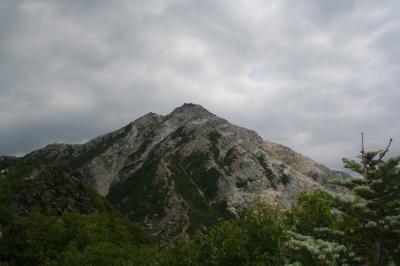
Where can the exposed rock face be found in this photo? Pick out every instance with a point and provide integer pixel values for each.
(183, 171)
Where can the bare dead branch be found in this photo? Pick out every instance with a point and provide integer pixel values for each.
(383, 153)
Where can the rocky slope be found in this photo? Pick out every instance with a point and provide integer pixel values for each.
(184, 171)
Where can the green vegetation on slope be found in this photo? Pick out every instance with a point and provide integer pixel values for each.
(184, 137)
(213, 137)
(137, 195)
(53, 190)
(201, 212)
(230, 157)
(196, 169)
(59, 240)
(142, 148)
(54, 219)
(267, 171)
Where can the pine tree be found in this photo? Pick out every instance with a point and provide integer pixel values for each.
(371, 208)
(315, 232)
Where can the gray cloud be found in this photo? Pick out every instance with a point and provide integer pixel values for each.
(310, 75)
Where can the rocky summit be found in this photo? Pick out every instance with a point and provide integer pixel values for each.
(183, 171)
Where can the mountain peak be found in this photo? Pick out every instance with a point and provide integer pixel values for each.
(191, 109)
(189, 105)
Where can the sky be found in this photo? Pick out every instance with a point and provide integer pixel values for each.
(311, 74)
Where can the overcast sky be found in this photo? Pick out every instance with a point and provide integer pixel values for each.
(308, 74)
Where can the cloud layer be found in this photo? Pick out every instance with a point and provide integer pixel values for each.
(308, 74)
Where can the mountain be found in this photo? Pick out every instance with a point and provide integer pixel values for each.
(181, 172)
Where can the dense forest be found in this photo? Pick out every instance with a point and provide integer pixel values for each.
(358, 224)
